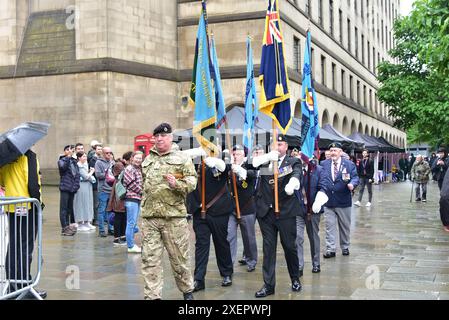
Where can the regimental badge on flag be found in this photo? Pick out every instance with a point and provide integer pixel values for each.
(251, 107)
(309, 108)
(275, 93)
(202, 95)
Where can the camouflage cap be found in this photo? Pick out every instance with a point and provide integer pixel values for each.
(162, 128)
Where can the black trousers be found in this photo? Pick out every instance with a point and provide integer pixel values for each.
(66, 208)
(119, 224)
(22, 234)
(270, 226)
(218, 228)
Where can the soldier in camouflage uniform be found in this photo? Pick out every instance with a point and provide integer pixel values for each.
(168, 176)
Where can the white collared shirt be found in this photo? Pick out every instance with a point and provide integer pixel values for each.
(338, 166)
(281, 159)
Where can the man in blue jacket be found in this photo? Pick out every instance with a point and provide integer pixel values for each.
(344, 179)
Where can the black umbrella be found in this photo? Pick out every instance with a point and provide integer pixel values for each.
(17, 141)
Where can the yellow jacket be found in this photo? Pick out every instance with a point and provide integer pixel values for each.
(14, 177)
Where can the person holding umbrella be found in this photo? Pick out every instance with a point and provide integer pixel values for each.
(19, 175)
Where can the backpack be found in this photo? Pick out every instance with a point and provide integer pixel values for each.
(120, 190)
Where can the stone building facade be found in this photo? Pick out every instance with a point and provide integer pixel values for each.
(110, 70)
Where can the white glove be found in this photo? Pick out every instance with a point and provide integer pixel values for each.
(196, 152)
(212, 162)
(320, 200)
(238, 170)
(292, 185)
(270, 156)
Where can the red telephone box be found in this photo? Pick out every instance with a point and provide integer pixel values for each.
(144, 143)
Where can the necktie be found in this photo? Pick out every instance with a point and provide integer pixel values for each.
(335, 170)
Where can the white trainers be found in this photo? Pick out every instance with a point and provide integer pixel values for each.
(91, 227)
(83, 228)
(357, 203)
(134, 249)
(368, 204)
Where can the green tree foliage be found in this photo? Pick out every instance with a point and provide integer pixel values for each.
(417, 86)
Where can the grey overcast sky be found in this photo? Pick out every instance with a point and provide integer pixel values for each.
(406, 6)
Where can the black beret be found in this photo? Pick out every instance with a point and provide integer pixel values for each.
(281, 137)
(162, 128)
(441, 150)
(335, 145)
(237, 147)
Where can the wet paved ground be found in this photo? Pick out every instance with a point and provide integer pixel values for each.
(399, 251)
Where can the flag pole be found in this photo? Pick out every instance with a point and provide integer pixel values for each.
(275, 171)
(234, 178)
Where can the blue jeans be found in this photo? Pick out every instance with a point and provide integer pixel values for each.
(132, 214)
(103, 215)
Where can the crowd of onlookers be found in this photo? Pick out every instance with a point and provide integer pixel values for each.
(98, 189)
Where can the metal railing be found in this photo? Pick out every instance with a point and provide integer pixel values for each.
(20, 241)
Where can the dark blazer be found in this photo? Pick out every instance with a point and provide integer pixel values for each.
(214, 183)
(245, 190)
(369, 169)
(339, 194)
(288, 205)
(444, 201)
(318, 182)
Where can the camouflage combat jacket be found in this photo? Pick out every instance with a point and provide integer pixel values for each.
(158, 199)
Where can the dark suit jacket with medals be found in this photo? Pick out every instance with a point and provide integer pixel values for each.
(288, 205)
(246, 189)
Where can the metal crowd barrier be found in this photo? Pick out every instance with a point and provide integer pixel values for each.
(20, 242)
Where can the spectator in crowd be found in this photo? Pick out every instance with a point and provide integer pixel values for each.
(83, 203)
(92, 160)
(132, 181)
(365, 171)
(420, 175)
(103, 172)
(68, 186)
(440, 166)
(117, 206)
(403, 166)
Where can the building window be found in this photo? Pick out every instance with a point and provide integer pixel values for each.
(308, 9)
(320, 12)
(369, 55)
(331, 17)
(334, 81)
(364, 97)
(349, 35)
(355, 7)
(340, 25)
(362, 12)
(312, 50)
(358, 92)
(356, 42)
(343, 83)
(374, 59)
(371, 99)
(351, 87)
(363, 49)
(323, 70)
(296, 54)
(382, 33)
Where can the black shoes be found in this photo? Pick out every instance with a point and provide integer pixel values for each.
(296, 285)
(227, 281)
(329, 254)
(251, 268)
(198, 285)
(188, 296)
(242, 262)
(301, 272)
(316, 269)
(102, 234)
(418, 199)
(264, 292)
(345, 252)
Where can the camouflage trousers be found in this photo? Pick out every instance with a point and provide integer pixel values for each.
(173, 234)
